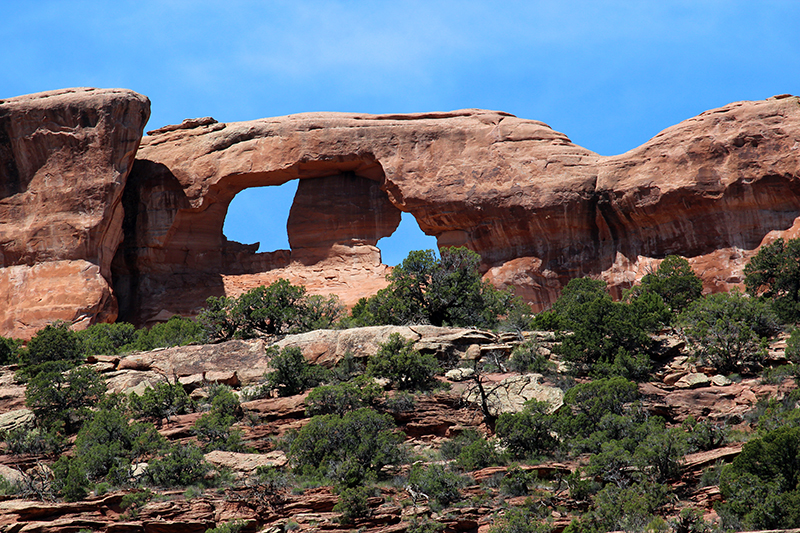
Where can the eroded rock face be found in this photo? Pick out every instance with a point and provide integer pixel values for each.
(64, 159)
(539, 209)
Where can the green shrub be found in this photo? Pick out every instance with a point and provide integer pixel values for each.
(34, 441)
(704, 435)
(444, 291)
(278, 308)
(628, 508)
(177, 331)
(60, 397)
(528, 433)
(517, 482)
(774, 274)
(69, 479)
(526, 358)
(404, 366)
(108, 444)
(55, 342)
(674, 280)
(401, 402)
(343, 397)
(423, 525)
(478, 454)
(519, 520)
(133, 501)
(213, 428)
(440, 484)
(588, 403)
(761, 485)
(234, 526)
(352, 504)
(106, 339)
(293, 374)
(728, 330)
(346, 448)
(160, 403)
(181, 466)
(793, 346)
(601, 327)
(9, 351)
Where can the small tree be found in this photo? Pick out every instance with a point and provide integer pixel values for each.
(774, 273)
(106, 339)
(761, 485)
(160, 403)
(603, 330)
(60, 398)
(675, 281)
(55, 342)
(727, 330)
(347, 448)
(9, 350)
(405, 367)
(268, 310)
(182, 465)
(528, 433)
(293, 374)
(343, 397)
(444, 291)
(177, 331)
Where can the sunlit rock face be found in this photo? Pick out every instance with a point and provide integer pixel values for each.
(539, 209)
(64, 159)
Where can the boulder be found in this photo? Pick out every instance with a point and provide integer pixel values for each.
(246, 463)
(510, 394)
(16, 419)
(693, 380)
(327, 347)
(459, 374)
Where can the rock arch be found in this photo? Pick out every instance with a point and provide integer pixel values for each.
(79, 216)
(174, 254)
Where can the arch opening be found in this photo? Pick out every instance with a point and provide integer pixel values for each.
(258, 215)
(407, 237)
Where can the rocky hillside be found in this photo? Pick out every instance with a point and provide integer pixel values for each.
(430, 422)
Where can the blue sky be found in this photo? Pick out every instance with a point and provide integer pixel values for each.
(609, 74)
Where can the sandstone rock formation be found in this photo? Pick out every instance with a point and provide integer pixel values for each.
(539, 209)
(82, 238)
(64, 159)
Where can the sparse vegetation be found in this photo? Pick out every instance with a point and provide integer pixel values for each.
(353, 445)
(444, 291)
(402, 365)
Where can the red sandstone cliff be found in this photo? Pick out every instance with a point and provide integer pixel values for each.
(64, 160)
(539, 209)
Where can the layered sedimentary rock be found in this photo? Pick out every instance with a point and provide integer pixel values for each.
(64, 158)
(539, 209)
(86, 230)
